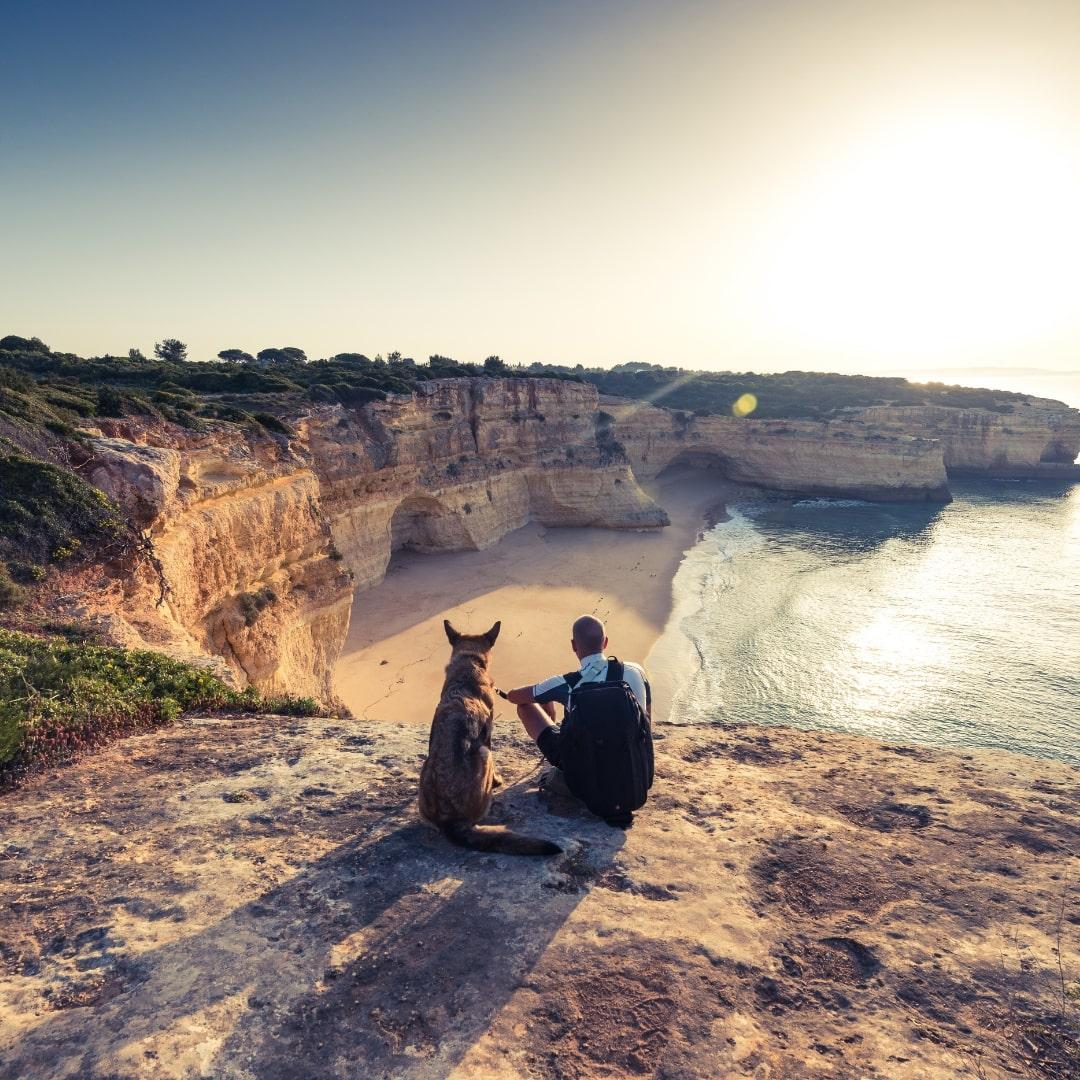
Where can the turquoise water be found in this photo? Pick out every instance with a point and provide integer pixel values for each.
(951, 626)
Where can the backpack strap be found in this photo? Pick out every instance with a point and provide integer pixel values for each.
(572, 678)
(614, 670)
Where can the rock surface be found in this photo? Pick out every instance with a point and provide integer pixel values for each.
(256, 898)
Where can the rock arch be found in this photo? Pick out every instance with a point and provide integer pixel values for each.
(699, 458)
(426, 524)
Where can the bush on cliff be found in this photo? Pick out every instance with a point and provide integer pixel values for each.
(48, 513)
(59, 696)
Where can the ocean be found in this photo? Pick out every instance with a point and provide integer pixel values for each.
(953, 626)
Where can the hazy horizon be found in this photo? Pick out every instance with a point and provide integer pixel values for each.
(834, 186)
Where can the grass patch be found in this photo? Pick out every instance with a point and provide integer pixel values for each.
(60, 695)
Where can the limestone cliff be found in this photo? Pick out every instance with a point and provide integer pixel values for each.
(462, 462)
(840, 457)
(242, 565)
(1037, 438)
(255, 543)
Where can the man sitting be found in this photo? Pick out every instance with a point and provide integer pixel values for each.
(605, 745)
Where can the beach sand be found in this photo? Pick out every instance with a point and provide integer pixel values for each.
(536, 581)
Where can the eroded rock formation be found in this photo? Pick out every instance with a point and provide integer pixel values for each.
(840, 457)
(256, 543)
(462, 462)
(1038, 438)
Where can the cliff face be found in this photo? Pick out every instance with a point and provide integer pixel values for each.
(242, 568)
(841, 458)
(461, 463)
(257, 543)
(1037, 440)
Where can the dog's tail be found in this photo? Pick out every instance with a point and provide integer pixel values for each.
(496, 838)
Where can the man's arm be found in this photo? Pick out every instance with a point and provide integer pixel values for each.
(523, 695)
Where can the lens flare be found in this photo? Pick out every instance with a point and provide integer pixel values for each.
(744, 405)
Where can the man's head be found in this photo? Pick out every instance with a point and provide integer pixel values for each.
(588, 637)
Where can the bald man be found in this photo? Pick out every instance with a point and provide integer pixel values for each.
(536, 704)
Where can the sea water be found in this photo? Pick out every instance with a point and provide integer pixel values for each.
(950, 626)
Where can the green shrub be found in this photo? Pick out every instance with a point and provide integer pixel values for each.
(13, 379)
(26, 573)
(272, 423)
(186, 419)
(47, 512)
(76, 402)
(59, 696)
(21, 344)
(110, 402)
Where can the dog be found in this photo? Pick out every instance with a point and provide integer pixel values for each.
(458, 775)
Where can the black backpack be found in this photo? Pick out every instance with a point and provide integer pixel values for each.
(607, 746)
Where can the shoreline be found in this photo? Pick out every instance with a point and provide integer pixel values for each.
(536, 581)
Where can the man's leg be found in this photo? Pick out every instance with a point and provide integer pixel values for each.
(536, 718)
(539, 722)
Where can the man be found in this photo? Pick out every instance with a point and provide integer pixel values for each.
(612, 772)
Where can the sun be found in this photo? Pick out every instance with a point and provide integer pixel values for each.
(942, 233)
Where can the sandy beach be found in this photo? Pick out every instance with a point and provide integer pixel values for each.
(536, 581)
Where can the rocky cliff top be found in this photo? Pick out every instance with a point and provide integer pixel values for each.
(258, 898)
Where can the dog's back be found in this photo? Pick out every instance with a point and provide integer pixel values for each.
(458, 776)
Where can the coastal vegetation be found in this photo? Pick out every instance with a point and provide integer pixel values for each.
(54, 390)
(790, 395)
(60, 693)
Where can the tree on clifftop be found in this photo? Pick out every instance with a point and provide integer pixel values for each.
(288, 355)
(171, 349)
(494, 365)
(236, 356)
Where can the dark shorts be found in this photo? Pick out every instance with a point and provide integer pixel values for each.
(550, 745)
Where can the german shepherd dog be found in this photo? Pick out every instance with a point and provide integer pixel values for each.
(458, 775)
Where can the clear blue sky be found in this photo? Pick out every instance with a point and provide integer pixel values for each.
(745, 184)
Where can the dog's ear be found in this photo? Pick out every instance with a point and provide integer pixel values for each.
(451, 634)
(492, 634)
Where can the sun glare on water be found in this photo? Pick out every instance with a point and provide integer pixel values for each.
(946, 232)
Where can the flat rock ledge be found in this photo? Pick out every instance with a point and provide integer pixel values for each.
(256, 898)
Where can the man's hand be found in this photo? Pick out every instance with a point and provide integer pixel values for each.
(502, 693)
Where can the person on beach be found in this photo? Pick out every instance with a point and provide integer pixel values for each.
(603, 751)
